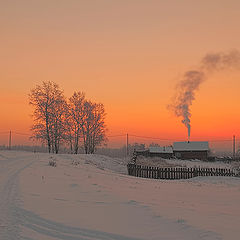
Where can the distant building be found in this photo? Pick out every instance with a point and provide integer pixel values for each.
(141, 152)
(191, 150)
(163, 152)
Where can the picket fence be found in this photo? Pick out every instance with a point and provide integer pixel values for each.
(176, 172)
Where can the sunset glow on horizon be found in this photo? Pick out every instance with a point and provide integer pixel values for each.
(128, 55)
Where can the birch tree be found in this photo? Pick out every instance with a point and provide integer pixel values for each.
(94, 128)
(58, 123)
(57, 120)
(75, 119)
(49, 108)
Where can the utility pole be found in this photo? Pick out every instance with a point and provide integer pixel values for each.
(234, 147)
(10, 140)
(127, 145)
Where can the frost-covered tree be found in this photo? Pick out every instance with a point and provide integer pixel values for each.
(75, 120)
(49, 114)
(57, 120)
(94, 127)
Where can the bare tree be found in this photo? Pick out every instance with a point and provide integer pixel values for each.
(94, 128)
(75, 119)
(68, 131)
(58, 123)
(49, 108)
(56, 120)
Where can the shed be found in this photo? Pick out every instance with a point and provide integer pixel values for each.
(164, 152)
(141, 152)
(191, 150)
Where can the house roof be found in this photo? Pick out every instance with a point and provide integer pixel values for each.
(190, 146)
(160, 150)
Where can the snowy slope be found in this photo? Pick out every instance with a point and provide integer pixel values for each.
(88, 197)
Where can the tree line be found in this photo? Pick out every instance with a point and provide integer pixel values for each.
(76, 121)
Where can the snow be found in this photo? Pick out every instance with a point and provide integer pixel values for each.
(190, 146)
(91, 197)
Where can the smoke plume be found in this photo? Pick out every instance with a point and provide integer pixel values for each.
(191, 80)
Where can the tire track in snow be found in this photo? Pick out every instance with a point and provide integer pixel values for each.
(9, 223)
(49, 228)
(13, 217)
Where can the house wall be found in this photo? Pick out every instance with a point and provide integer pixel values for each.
(142, 153)
(162, 155)
(149, 154)
(201, 155)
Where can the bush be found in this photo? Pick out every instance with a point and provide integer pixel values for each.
(52, 163)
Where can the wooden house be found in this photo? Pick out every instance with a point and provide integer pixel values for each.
(191, 150)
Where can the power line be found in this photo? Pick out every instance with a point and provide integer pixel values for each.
(162, 139)
(25, 134)
(4, 132)
(224, 140)
(123, 135)
(130, 135)
(168, 139)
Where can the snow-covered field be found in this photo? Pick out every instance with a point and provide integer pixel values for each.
(90, 197)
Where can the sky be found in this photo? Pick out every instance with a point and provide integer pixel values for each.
(128, 55)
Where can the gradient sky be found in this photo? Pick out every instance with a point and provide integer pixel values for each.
(127, 54)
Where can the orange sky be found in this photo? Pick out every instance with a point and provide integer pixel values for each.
(128, 55)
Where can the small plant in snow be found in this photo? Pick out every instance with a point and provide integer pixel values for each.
(52, 163)
(87, 161)
(180, 220)
(75, 162)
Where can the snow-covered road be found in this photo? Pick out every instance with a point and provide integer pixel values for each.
(93, 201)
(10, 167)
(14, 218)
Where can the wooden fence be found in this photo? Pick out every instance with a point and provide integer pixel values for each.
(176, 173)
